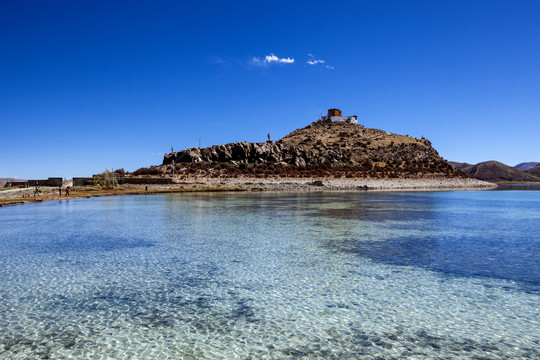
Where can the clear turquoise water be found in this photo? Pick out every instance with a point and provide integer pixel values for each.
(448, 275)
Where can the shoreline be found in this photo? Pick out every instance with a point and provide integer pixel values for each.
(344, 184)
(11, 197)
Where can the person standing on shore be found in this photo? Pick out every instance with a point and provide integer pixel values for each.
(60, 191)
(36, 192)
(68, 189)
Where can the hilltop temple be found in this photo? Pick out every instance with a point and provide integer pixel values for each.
(334, 115)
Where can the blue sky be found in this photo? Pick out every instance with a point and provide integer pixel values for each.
(89, 85)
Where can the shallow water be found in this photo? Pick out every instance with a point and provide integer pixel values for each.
(273, 275)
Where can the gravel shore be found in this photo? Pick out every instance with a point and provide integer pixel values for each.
(332, 184)
(23, 196)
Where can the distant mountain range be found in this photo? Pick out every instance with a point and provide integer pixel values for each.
(498, 172)
(526, 165)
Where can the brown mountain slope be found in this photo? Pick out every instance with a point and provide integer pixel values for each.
(497, 171)
(460, 166)
(535, 171)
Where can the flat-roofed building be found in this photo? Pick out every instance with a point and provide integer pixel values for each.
(334, 115)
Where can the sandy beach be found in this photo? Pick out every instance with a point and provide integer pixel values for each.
(18, 196)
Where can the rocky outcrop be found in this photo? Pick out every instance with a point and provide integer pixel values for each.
(317, 144)
(241, 152)
(257, 153)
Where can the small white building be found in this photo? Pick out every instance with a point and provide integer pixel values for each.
(335, 116)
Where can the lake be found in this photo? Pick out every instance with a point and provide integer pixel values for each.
(335, 275)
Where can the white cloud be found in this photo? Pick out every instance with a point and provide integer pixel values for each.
(256, 60)
(313, 61)
(273, 58)
(268, 59)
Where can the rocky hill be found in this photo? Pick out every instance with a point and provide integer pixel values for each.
(320, 149)
(497, 172)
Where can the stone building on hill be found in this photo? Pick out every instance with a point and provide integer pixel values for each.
(334, 115)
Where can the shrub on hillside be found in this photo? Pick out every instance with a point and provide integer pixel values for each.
(149, 171)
